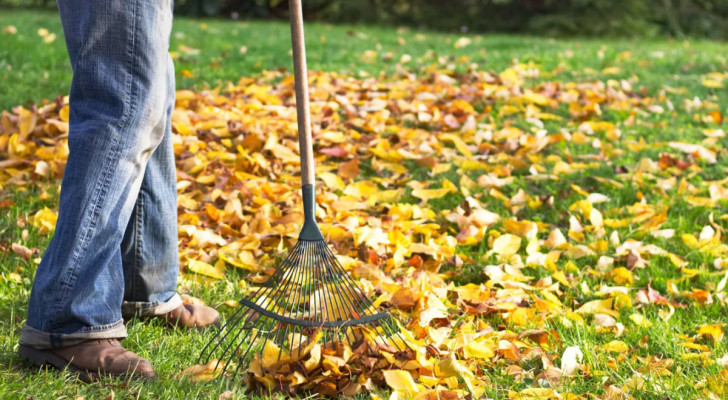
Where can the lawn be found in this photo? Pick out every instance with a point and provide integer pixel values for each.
(570, 194)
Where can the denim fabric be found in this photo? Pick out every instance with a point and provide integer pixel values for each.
(116, 236)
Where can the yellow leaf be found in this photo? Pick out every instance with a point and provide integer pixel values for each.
(718, 384)
(441, 168)
(616, 346)
(446, 184)
(273, 354)
(331, 180)
(44, 220)
(524, 229)
(690, 240)
(621, 276)
(519, 316)
(313, 361)
(203, 268)
(711, 83)
(244, 259)
(507, 244)
(458, 142)
(481, 350)
(597, 307)
(640, 320)
(595, 217)
(63, 114)
(400, 380)
(509, 76)
(387, 196)
(26, 122)
(361, 189)
(429, 194)
(712, 331)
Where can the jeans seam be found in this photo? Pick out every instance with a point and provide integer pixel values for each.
(131, 64)
(138, 243)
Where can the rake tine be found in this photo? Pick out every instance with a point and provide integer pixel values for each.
(296, 286)
(223, 339)
(349, 289)
(327, 281)
(216, 339)
(234, 340)
(247, 350)
(284, 291)
(268, 301)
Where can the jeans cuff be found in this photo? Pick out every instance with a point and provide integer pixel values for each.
(40, 340)
(130, 309)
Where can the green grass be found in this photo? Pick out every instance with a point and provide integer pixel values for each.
(31, 71)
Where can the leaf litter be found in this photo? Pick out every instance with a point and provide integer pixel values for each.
(421, 178)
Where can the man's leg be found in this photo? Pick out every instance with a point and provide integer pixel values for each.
(119, 53)
(149, 248)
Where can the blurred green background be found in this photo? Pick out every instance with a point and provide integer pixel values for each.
(581, 18)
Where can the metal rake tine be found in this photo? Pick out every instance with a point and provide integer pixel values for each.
(317, 288)
(395, 331)
(268, 285)
(310, 286)
(328, 288)
(309, 295)
(341, 300)
(234, 340)
(327, 314)
(267, 336)
(318, 303)
(295, 268)
(253, 313)
(216, 338)
(276, 275)
(250, 346)
(295, 286)
(306, 295)
(241, 359)
(299, 284)
(352, 286)
(354, 292)
(222, 339)
(223, 356)
(273, 296)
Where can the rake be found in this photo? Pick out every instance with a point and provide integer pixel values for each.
(310, 293)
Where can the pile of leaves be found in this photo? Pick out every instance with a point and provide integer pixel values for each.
(437, 192)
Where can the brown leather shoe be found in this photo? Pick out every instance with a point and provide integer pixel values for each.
(193, 316)
(92, 359)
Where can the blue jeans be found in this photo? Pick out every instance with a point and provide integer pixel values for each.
(114, 251)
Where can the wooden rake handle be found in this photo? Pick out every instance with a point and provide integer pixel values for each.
(300, 74)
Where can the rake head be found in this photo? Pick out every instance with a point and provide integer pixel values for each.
(309, 294)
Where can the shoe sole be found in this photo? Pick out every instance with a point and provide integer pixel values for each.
(42, 358)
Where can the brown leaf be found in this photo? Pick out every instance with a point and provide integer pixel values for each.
(349, 169)
(22, 251)
(403, 299)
